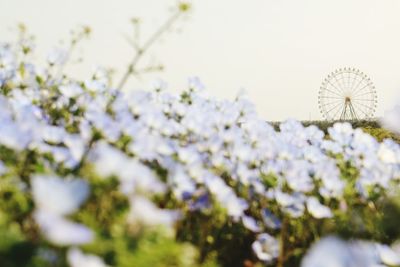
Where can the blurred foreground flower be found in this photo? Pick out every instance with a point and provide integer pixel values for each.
(55, 198)
(333, 252)
(78, 259)
(391, 119)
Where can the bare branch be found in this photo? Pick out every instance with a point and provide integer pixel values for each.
(131, 69)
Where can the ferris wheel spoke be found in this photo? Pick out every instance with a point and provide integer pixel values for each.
(364, 99)
(334, 107)
(332, 101)
(331, 97)
(366, 106)
(341, 85)
(359, 83)
(359, 87)
(367, 115)
(353, 82)
(330, 104)
(362, 88)
(338, 111)
(348, 78)
(331, 108)
(343, 81)
(333, 92)
(365, 93)
(356, 116)
(355, 88)
(332, 85)
(343, 78)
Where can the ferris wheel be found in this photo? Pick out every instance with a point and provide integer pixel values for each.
(347, 94)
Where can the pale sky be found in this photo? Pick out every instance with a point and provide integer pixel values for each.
(278, 50)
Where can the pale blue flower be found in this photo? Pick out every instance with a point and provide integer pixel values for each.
(251, 224)
(317, 210)
(270, 220)
(342, 133)
(387, 255)
(13, 136)
(61, 231)
(195, 84)
(332, 252)
(76, 258)
(76, 146)
(266, 248)
(146, 212)
(58, 196)
(53, 134)
(71, 90)
(57, 56)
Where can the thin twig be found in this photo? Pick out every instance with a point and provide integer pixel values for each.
(142, 50)
(67, 58)
(132, 42)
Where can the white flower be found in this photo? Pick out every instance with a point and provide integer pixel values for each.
(57, 56)
(71, 90)
(7, 64)
(146, 212)
(13, 136)
(266, 247)
(133, 175)
(76, 258)
(58, 196)
(270, 219)
(235, 206)
(181, 182)
(342, 133)
(251, 224)
(387, 155)
(53, 134)
(297, 176)
(61, 231)
(158, 85)
(95, 85)
(284, 199)
(195, 84)
(332, 252)
(317, 210)
(388, 256)
(291, 204)
(76, 145)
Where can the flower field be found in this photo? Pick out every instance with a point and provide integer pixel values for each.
(95, 176)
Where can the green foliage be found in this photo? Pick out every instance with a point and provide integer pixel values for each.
(380, 133)
(371, 127)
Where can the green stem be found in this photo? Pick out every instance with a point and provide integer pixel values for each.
(281, 258)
